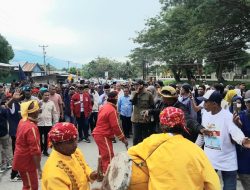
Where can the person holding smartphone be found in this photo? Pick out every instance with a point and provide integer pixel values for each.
(237, 105)
(242, 120)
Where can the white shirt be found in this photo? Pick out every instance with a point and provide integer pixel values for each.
(49, 115)
(95, 99)
(81, 102)
(219, 148)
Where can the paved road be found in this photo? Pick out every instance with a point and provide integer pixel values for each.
(90, 152)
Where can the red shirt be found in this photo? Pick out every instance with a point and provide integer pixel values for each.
(75, 104)
(27, 145)
(107, 124)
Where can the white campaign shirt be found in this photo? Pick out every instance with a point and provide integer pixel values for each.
(81, 102)
(219, 148)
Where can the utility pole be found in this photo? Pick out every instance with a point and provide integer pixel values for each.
(44, 58)
(68, 66)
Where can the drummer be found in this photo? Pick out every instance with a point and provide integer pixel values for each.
(66, 167)
(107, 126)
(173, 161)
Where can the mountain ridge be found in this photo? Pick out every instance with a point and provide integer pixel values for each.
(22, 56)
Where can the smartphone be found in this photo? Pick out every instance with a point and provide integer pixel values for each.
(236, 107)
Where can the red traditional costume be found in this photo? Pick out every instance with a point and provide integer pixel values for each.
(27, 146)
(106, 127)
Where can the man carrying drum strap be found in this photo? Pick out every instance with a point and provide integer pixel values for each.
(173, 161)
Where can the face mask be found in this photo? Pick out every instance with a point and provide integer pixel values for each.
(238, 105)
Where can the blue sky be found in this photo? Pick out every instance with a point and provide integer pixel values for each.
(76, 30)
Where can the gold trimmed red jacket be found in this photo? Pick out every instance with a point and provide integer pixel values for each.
(107, 124)
(27, 145)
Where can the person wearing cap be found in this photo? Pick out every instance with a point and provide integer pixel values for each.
(199, 106)
(46, 119)
(27, 155)
(170, 98)
(104, 96)
(242, 120)
(35, 92)
(141, 100)
(174, 162)
(81, 108)
(66, 167)
(26, 92)
(107, 127)
(220, 146)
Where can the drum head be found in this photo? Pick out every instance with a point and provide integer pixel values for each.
(119, 173)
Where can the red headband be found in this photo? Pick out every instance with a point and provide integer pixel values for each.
(172, 117)
(62, 132)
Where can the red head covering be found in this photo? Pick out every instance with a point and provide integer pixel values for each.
(8, 95)
(62, 132)
(173, 117)
(35, 91)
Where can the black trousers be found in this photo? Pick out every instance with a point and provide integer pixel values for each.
(13, 142)
(141, 131)
(83, 126)
(93, 120)
(44, 130)
(126, 125)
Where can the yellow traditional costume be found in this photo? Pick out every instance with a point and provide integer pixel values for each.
(229, 96)
(65, 172)
(174, 162)
(62, 172)
(25, 108)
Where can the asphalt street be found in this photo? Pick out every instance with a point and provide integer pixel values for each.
(91, 155)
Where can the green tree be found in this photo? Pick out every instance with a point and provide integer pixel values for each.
(164, 38)
(189, 31)
(64, 69)
(116, 69)
(73, 70)
(226, 42)
(6, 51)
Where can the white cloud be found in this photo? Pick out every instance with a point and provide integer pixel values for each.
(78, 30)
(28, 19)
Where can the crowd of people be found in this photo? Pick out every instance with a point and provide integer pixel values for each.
(214, 117)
